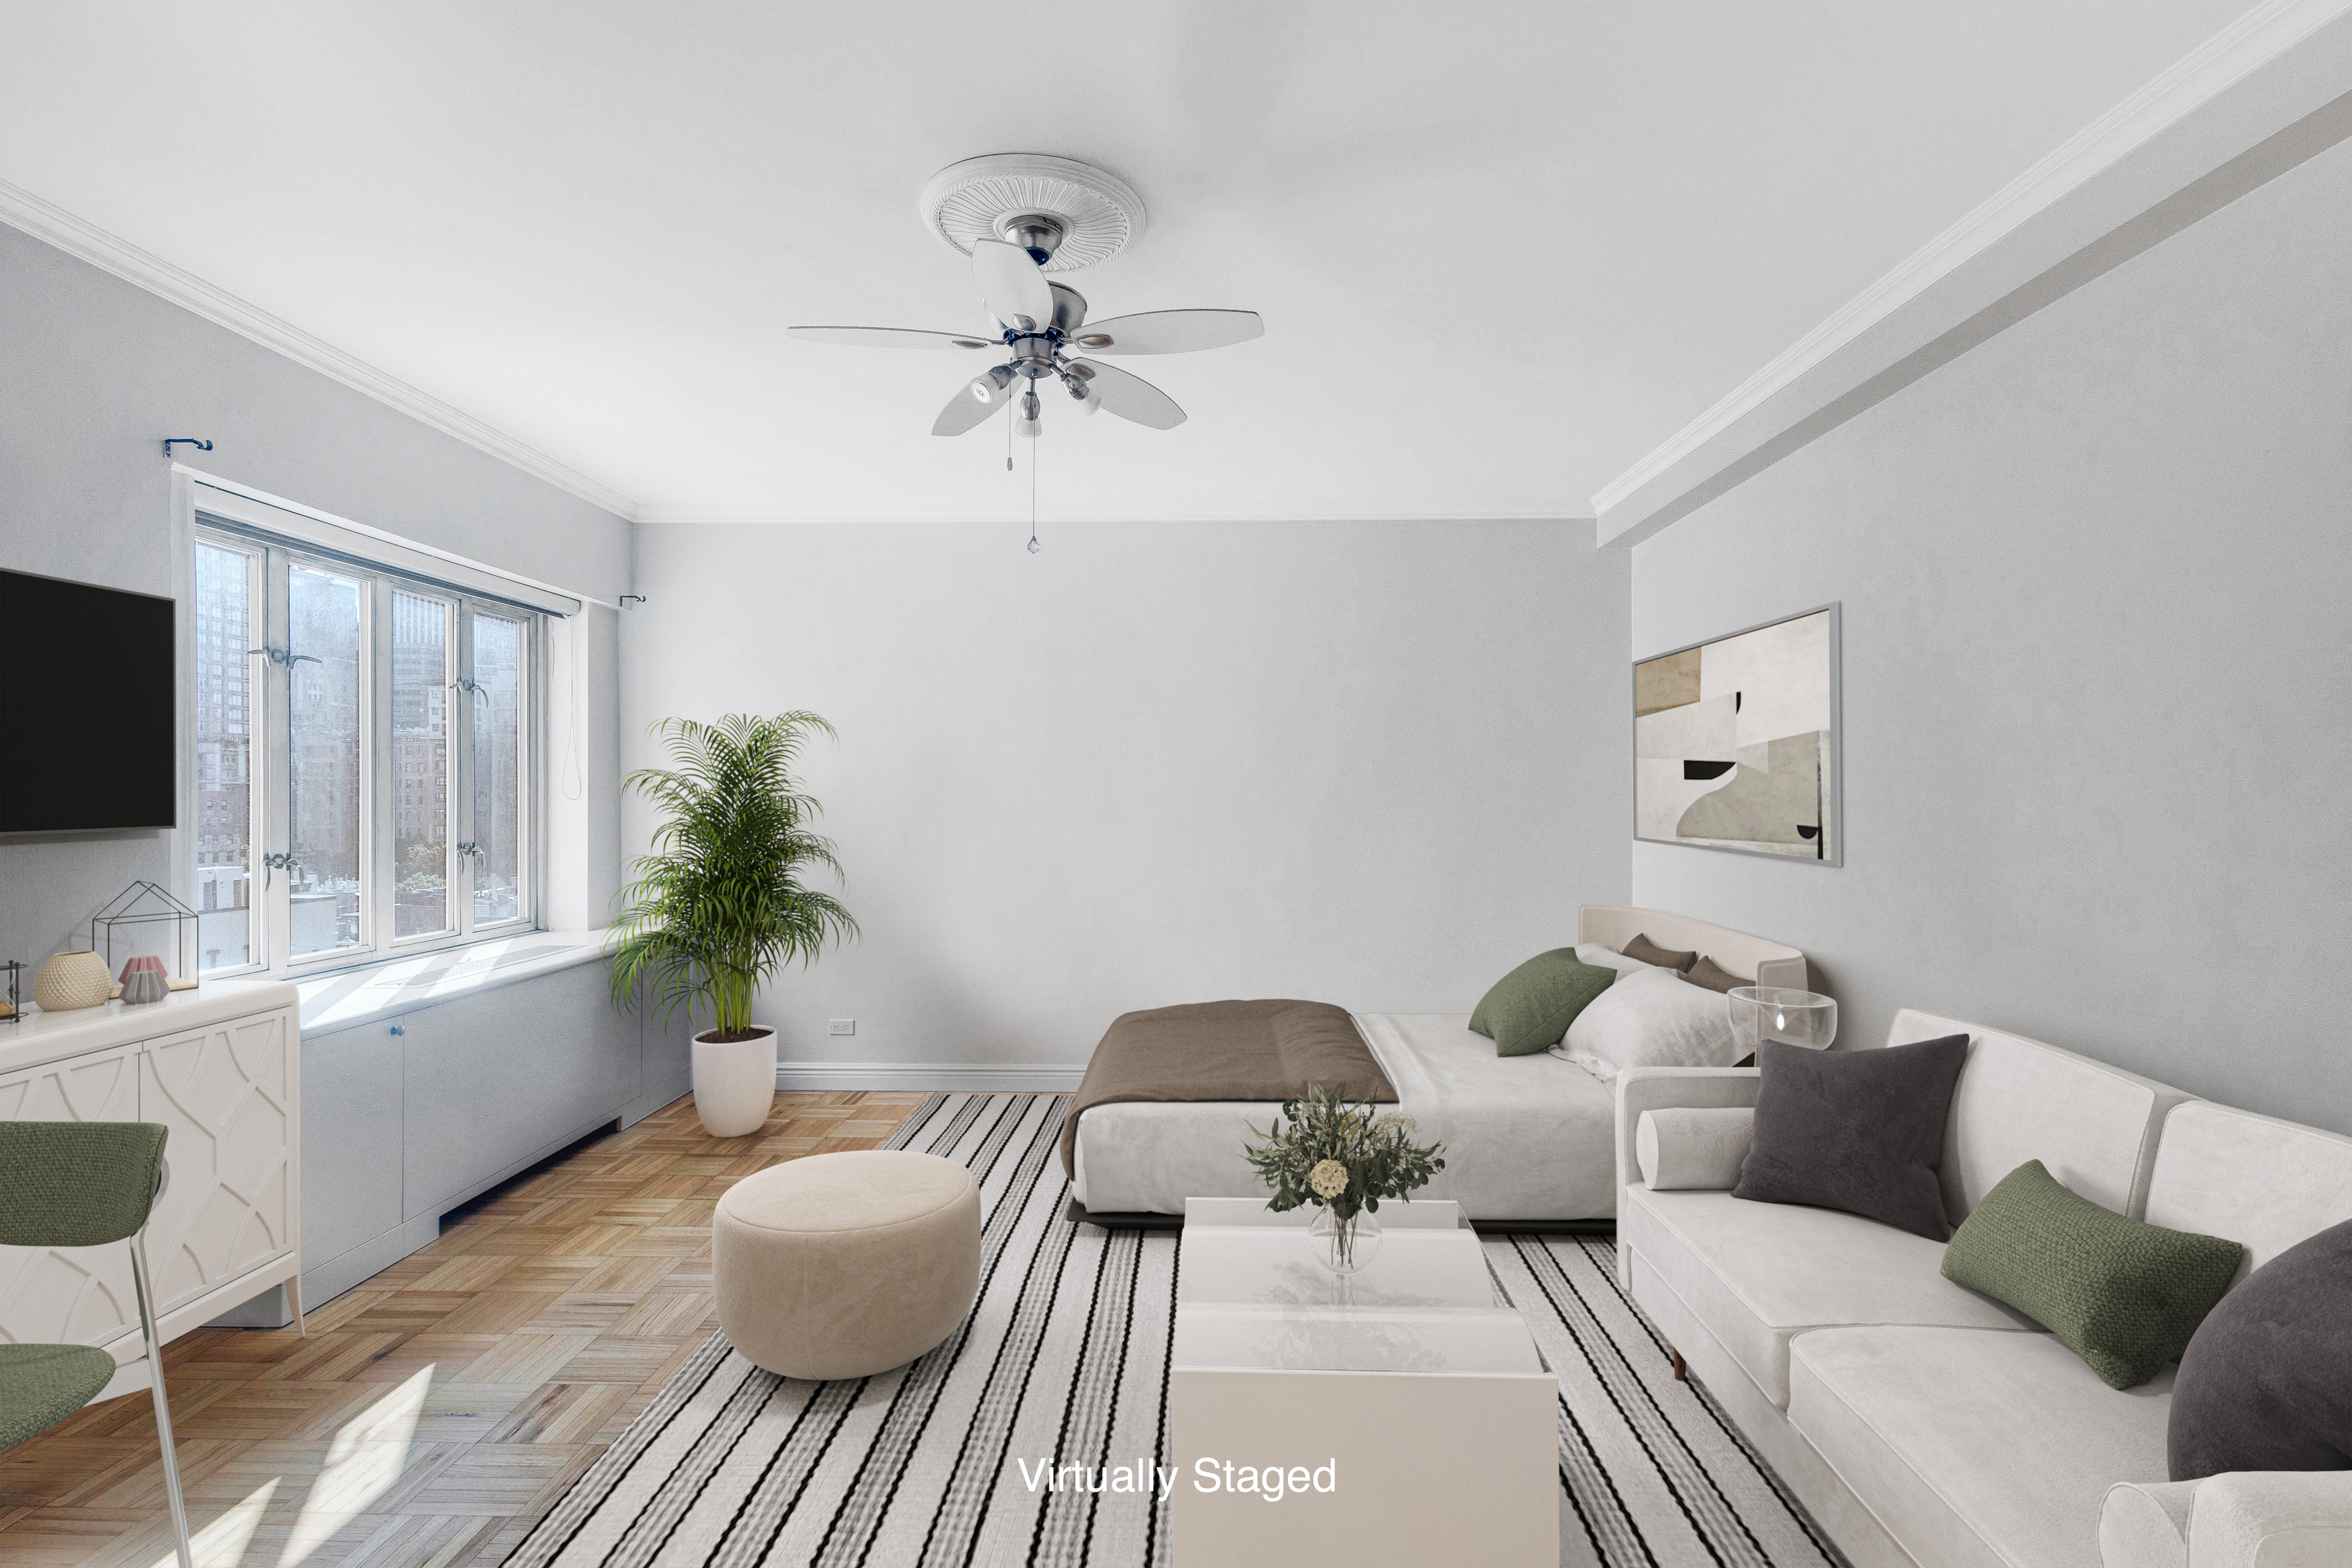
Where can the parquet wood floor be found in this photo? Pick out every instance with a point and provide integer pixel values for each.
(435, 1411)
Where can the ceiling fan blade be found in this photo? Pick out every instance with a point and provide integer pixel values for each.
(1015, 291)
(888, 338)
(968, 410)
(1129, 396)
(1170, 331)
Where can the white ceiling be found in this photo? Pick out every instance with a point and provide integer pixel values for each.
(1502, 250)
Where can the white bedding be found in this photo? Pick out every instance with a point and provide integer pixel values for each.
(1526, 1138)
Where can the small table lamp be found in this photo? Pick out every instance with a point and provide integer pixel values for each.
(1760, 1013)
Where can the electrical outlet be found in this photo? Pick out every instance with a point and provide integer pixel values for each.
(845, 1026)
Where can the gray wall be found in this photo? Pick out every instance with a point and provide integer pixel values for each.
(1375, 764)
(2097, 578)
(94, 373)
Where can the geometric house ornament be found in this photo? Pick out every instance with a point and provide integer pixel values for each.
(1735, 742)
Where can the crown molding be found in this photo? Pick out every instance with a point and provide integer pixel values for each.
(656, 515)
(53, 226)
(2260, 37)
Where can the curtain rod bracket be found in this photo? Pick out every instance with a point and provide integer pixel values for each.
(185, 441)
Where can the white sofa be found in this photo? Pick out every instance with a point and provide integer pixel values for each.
(1925, 1425)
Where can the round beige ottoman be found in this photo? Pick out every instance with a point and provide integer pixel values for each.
(846, 1265)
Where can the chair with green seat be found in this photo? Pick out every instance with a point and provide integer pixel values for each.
(82, 1183)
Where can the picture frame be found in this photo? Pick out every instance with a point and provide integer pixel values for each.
(1738, 738)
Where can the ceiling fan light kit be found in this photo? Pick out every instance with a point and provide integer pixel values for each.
(1019, 216)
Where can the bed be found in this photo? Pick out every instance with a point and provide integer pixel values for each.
(1529, 1139)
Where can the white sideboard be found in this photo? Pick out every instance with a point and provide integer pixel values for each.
(222, 1068)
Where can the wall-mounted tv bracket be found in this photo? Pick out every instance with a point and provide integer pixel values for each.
(185, 441)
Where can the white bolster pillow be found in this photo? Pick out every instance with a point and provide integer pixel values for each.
(1684, 1148)
(2144, 1525)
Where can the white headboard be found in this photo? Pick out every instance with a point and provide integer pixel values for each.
(1768, 963)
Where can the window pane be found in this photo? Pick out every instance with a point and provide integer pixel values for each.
(420, 764)
(322, 612)
(224, 758)
(497, 768)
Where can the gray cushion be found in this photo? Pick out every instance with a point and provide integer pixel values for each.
(1857, 1131)
(2266, 1384)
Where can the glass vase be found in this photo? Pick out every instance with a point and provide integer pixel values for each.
(1760, 1013)
(1344, 1246)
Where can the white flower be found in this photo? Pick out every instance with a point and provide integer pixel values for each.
(1328, 1178)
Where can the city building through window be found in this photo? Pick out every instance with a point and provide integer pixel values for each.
(363, 758)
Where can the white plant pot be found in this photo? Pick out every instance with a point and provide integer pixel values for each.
(735, 1082)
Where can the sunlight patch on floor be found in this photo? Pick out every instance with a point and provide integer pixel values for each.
(369, 1452)
(222, 1543)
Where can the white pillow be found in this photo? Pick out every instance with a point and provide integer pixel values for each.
(1650, 1018)
(1609, 958)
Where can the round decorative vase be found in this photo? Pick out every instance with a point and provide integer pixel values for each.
(142, 985)
(734, 1081)
(72, 980)
(1344, 1246)
(1760, 1013)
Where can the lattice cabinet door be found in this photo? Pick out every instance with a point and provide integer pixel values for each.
(69, 1295)
(228, 1094)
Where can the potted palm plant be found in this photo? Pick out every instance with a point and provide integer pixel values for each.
(719, 903)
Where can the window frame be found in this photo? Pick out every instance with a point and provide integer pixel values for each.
(270, 932)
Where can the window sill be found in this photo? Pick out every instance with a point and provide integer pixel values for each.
(392, 986)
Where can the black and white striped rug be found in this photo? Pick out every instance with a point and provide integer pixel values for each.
(1063, 1362)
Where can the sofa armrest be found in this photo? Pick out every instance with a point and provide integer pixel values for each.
(2271, 1519)
(1657, 1088)
(1640, 1089)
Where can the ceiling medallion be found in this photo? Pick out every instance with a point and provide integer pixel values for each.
(1099, 214)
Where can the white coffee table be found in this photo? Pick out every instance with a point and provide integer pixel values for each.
(1411, 1389)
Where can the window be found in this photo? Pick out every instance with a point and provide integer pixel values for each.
(364, 757)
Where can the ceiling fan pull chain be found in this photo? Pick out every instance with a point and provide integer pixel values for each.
(1034, 546)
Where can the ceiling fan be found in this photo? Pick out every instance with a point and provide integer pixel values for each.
(1019, 216)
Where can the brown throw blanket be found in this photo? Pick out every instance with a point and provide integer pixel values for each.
(1273, 1049)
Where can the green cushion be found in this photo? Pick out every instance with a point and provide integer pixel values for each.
(1532, 1007)
(2123, 1295)
(40, 1385)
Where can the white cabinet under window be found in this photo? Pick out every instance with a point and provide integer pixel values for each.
(365, 757)
(221, 1067)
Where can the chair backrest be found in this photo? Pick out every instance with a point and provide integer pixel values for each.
(2254, 1180)
(2094, 1126)
(76, 1183)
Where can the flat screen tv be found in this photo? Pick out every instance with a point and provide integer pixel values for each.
(86, 693)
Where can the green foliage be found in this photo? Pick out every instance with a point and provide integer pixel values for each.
(1377, 1148)
(718, 905)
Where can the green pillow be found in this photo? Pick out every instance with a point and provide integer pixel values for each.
(2123, 1295)
(1532, 1007)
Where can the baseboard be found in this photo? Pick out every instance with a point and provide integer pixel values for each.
(1002, 1078)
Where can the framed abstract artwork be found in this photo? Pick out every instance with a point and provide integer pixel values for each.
(1735, 741)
